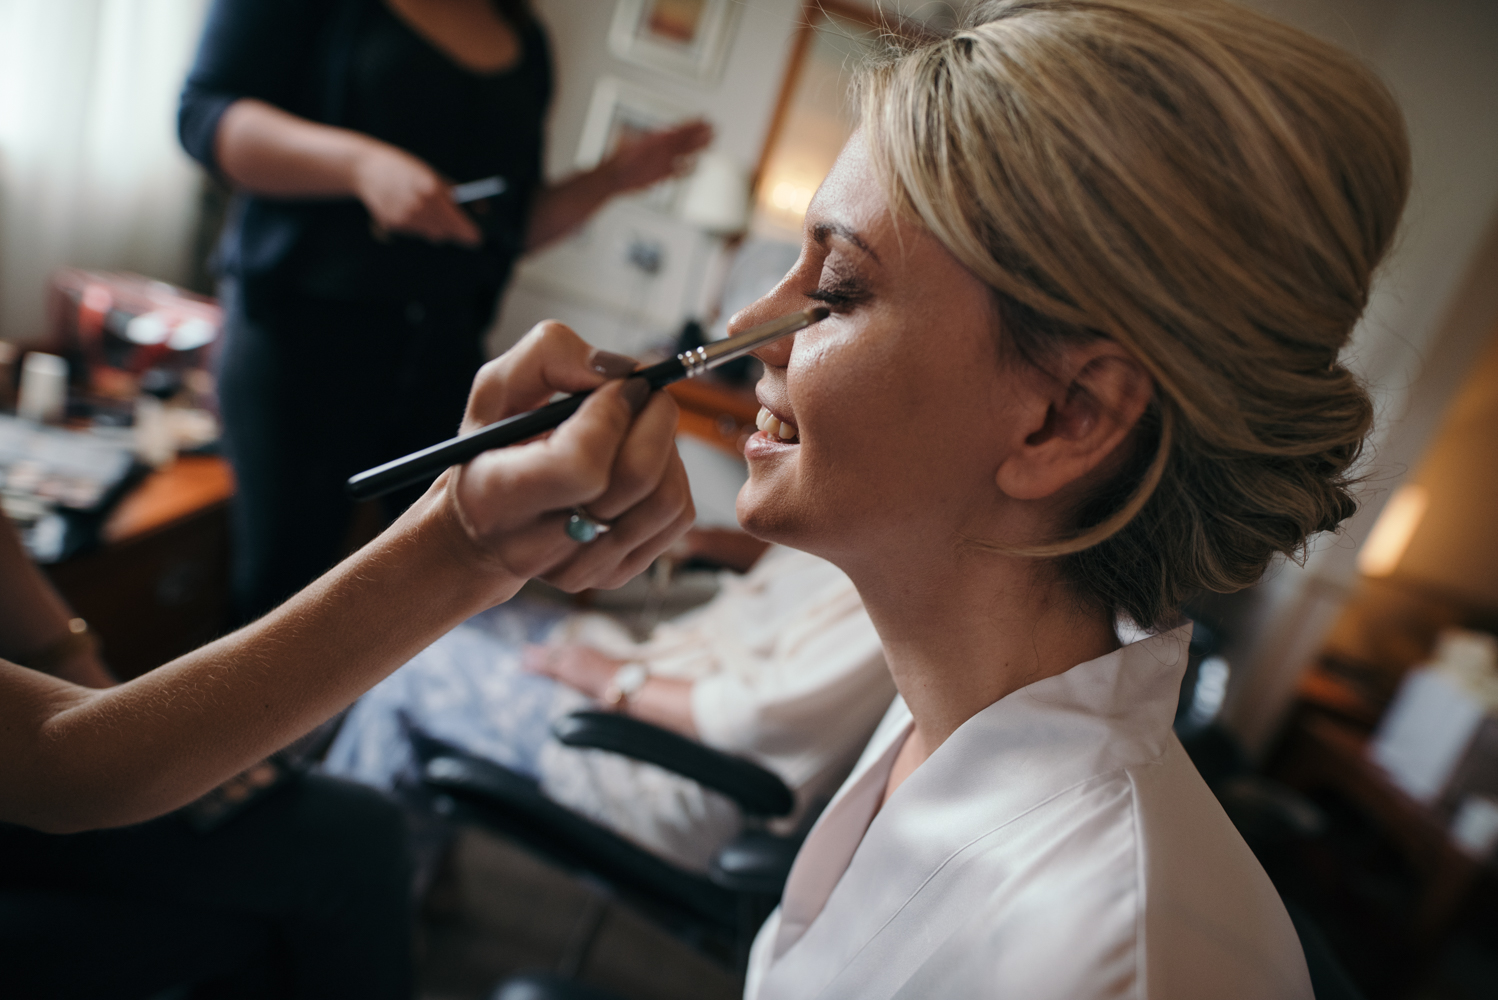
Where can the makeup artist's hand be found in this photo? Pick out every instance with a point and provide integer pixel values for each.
(655, 156)
(616, 457)
(405, 195)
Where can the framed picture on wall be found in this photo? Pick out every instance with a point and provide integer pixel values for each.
(618, 113)
(688, 38)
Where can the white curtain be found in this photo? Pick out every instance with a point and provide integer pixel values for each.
(90, 170)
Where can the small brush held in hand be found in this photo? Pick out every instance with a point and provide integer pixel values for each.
(428, 462)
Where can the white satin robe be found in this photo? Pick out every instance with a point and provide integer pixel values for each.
(1059, 846)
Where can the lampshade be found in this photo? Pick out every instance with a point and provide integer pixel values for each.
(717, 195)
(1393, 530)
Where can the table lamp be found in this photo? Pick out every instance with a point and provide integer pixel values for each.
(717, 196)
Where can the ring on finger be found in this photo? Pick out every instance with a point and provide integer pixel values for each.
(583, 527)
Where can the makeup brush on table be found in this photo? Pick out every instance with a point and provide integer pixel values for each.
(428, 462)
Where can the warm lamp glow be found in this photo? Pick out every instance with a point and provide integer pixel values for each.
(791, 198)
(1392, 532)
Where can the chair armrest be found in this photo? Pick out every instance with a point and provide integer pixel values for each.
(754, 862)
(495, 797)
(542, 986)
(757, 791)
(457, 772)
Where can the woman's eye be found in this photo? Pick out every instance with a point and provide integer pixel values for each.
(831, 296)
(839, 294)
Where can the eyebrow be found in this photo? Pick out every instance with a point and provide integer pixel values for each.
(822, 230)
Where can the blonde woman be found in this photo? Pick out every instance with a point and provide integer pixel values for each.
(1091, 264)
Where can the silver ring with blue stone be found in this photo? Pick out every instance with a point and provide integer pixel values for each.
(582, 528)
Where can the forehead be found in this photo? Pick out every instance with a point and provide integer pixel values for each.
(851, 202)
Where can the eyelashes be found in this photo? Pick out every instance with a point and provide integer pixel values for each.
(840, 286)
(839, 295)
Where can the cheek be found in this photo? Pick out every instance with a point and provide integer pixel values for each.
(831, 375)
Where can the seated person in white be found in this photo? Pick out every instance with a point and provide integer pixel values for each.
(1090, 264)
(781, 667)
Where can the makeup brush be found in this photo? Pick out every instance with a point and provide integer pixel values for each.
(423, 464)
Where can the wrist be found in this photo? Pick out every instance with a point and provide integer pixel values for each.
(366, 158)
(608, 179)
(439, 529)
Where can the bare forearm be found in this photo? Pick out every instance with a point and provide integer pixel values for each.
(72, 759)
(665, 702)
(270, 152)
(273, 152)
(562, 207)
(124, 755)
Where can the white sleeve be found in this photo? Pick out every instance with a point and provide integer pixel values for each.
(798, 712)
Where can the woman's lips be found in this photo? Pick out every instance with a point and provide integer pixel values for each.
(773, 426)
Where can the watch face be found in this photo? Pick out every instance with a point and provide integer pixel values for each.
(630, 678)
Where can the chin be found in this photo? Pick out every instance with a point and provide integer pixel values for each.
(771, 514)
(756, 511)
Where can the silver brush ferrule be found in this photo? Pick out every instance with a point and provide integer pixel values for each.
(694, 361)
(709, 356)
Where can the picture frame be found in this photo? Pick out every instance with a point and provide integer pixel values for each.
(686, 38)
(618, 110)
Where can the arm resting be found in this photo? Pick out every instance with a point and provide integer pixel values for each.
(757, 791)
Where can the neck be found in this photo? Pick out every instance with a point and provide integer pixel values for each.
(964, 631)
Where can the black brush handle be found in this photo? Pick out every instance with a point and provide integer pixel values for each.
(428, 462)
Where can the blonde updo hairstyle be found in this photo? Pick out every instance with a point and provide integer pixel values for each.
(1205, 186)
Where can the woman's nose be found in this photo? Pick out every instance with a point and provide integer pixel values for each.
(776, 353)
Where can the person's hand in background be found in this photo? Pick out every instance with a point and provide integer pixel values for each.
(581, 668)
(638, 163)
(406, 196)
(647, 159)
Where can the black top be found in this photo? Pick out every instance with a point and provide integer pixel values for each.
(355, 64)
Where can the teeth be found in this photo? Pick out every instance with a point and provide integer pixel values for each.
(771, 424)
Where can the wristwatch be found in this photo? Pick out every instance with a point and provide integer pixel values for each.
(627, 682)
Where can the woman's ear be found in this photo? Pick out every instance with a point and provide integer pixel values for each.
(1096, 395)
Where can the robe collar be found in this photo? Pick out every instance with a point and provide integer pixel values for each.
(853, 875)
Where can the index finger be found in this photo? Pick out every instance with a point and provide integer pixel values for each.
(547, 360)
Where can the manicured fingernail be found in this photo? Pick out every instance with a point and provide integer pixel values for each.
(635, 392)
(611, 365)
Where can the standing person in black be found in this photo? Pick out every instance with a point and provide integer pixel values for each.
(356, 291)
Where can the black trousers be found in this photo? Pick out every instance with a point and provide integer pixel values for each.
(304, 894)
(311, 392)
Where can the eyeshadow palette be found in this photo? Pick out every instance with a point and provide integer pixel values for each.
(47, 473)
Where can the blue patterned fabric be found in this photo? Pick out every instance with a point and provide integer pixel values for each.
(467, 689)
